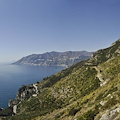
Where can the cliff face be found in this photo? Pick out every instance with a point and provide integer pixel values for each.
(88, 90)
(55, 58)
(24, 93)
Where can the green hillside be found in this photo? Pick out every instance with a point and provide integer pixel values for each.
(88, 90)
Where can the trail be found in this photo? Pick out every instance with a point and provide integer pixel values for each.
(99, 74)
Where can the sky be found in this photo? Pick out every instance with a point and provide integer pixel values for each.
(39, 26)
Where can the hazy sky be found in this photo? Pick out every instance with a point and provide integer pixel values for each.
(38, 26)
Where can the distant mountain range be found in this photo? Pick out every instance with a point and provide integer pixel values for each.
(55, 58)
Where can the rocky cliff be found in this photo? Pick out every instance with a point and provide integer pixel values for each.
(55, 58)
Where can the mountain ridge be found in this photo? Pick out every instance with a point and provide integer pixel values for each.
(53, 58)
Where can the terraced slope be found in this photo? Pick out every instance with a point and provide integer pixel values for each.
(88, 90)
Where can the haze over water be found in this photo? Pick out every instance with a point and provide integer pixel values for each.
(13, 76)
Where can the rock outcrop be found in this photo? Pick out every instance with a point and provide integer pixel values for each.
(25, 92)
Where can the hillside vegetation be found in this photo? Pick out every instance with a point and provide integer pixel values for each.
(88, 90)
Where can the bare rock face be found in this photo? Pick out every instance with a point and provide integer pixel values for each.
(110, 114)
(12, 102)
(25, 92)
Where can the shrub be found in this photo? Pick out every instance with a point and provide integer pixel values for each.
(73, 111)
(88, 115)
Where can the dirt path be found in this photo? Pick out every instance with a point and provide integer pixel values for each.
(99, 74)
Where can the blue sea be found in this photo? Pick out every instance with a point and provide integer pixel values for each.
(13, 76)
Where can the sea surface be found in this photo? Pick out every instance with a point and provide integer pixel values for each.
(13, 76)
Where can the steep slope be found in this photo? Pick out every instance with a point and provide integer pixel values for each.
(55, 58)
(88, 90)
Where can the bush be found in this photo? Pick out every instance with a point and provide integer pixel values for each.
(88, 115)
(7, 112)
(73, 111)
